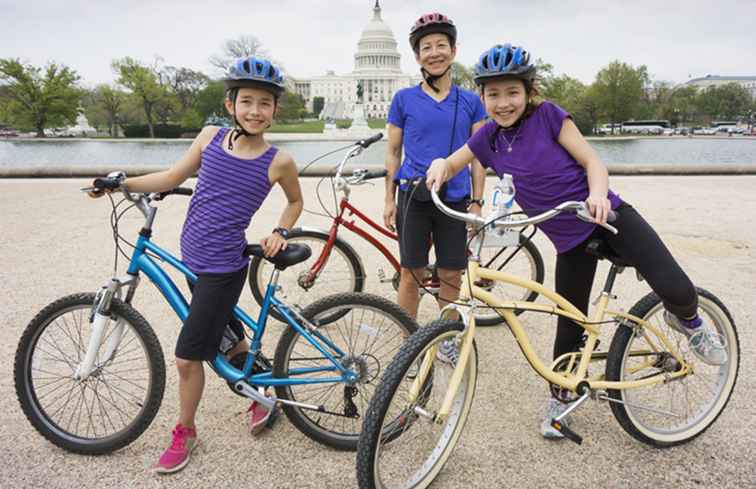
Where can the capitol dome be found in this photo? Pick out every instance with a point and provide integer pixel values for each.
(376, 49)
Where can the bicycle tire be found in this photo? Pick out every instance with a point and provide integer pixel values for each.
(351, 278)
(369, 313)
(372, 471)
(639, 423)
(30, 357)
(534, 263)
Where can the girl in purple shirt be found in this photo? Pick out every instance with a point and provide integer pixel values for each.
(550, 162)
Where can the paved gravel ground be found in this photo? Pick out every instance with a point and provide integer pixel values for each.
(55, 241)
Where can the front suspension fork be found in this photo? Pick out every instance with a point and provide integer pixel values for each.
(99, 318)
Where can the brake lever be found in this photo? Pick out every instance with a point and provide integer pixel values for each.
(585, 215)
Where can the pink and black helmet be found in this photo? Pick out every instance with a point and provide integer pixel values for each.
(433, 23)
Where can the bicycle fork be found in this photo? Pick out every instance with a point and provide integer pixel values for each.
(98, 319)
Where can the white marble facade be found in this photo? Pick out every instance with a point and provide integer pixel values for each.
(376, 66)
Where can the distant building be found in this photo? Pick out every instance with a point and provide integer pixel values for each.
(376, 66)
(747, 82)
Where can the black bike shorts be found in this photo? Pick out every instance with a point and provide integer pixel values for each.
(214, 296)
(420, 224)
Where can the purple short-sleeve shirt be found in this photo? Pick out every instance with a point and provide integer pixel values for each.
(544, 173)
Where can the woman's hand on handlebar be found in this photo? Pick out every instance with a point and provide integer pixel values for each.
(599, 207)
(437, 174)
(389, 214)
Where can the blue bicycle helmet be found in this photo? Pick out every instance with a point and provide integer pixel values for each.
(254, 72)
(504, 60)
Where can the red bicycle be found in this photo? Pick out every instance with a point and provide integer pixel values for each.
(335, 266)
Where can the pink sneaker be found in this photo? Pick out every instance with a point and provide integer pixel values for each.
(258, 417)
(176, 456)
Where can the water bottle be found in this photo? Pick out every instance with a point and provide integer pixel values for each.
(503, 196)
(502, 201)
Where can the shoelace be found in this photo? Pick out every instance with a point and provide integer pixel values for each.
(179, 438)
(707, 340)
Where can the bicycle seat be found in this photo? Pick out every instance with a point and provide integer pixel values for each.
(601, 249)
(293, 254)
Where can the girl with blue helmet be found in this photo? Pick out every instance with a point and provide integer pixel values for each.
(550, 162)
(425, 122)
(236, 170)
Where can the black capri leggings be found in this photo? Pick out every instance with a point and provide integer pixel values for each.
(637, 243)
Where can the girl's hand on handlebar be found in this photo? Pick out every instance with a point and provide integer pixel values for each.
(272, 244)
(437, 174)
(599, 208)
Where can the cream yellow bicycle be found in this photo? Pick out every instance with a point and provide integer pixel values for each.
(658, 391)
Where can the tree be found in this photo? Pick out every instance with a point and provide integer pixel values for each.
(240, 47)
(291, 106)
(619, 89)
(144, 84)
(39, 97)
(725, 102)
(185, 83)
(103, 107)
(210, 101)
(317, 105)
(462, 76)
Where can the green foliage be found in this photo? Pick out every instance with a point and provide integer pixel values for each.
(619, 91)
(377, 123)
(462, 76)
(317, 105)
(210, 100)
(343, 123)
(192, 120)
(725, 102)
(291, 107)
(39, 98)
(170, 131)
(144, 84)
(103, 108)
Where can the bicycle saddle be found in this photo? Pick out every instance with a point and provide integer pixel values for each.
(601, 250)
(293, 254)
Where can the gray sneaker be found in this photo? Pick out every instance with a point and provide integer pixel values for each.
(553, 409)
(704, 342)
(448, 352)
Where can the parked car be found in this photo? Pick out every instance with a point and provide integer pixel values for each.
(704, 131)
(682, 131)
(8, 133)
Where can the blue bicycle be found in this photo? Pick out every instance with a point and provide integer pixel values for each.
(90, 373)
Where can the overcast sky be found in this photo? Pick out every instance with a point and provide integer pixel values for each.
(674, 39)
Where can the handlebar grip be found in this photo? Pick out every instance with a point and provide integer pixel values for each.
(375, 174)
(372, 139)
(182, 191)
(106, 183)
(611, 216)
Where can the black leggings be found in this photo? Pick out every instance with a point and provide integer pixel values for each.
(636, 243)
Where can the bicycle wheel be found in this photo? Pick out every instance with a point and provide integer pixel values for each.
(400, 447)
(110, 408)
(682, 408)
(526, 262)
(369, 330)
(342, 272)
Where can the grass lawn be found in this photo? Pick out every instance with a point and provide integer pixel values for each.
(299, 127)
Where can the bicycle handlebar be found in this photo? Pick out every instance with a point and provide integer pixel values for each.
(372, 139)
(580, 208)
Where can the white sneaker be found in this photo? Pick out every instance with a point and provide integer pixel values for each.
(704, 342)
(448, 352)
(553, 409)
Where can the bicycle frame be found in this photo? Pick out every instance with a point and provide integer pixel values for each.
(141, 261)
(560, 307)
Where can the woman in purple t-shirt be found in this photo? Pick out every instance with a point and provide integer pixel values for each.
(550, 163)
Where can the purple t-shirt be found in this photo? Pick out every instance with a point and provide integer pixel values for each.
(543, 171)
(229, 192)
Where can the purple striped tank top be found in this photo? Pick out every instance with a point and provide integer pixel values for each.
(229, 191)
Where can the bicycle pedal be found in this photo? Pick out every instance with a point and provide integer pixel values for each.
(567, 432)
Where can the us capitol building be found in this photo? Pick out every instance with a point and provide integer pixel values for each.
(376, 68)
